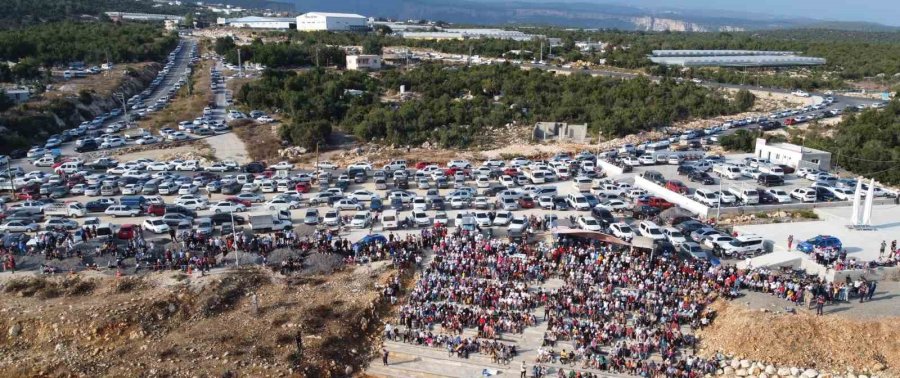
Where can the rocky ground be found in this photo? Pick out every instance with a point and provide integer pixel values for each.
(232, 322)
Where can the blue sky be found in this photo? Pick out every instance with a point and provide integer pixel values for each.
(881, 11)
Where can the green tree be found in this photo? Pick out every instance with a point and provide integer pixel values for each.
(372, 46)
(744, 100)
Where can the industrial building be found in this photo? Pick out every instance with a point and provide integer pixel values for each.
(560, 131)
(319, 21)
(470, 34)
(732, 58)
(255, 22)
(125, 16)
(363, 62)
(793, 155)
(17, 95)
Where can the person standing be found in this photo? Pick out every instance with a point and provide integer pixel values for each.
(523, 370)
(881, 251)
(820, 304)
(384, 356)
(871, 292)
(790, 241)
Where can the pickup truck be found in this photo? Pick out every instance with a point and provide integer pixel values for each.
(731, 172)
(136, 133)
(656, 202)
(68, 209)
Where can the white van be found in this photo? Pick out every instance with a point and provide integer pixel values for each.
(69, 167)
(578, 201)
(389, 220)
(748, 244)
(728, 171)
(582, 184)
(745, 196)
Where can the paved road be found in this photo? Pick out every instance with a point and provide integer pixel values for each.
(178, 70)
(227, 146)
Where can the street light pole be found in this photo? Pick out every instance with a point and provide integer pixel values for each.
(234, 235)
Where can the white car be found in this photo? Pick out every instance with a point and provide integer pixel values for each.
(332, 218)
(364, 165)
(614, 205)
(843, 194)
(363, 195)
(674, 236)
(177, 135)
(589, 224)
(216, 167)
(193, 204)
(282, 165)
(121, 211)
(717, 241)
(507, 181)
(482, 182)
(348, 204)
(361, 219)
(421, 218)
(804, 194)
(482, 219)
(282, 203)
(651, 230)
(325, 165)
(441, 218)
(227, 207)
(112, 143)
(147, 139)
(780, 195)
(502, 218)
(156, 226)
(517, 224)
(622, 230)
(545, 202)
(265, 119)
(19, 226)
(158, 166)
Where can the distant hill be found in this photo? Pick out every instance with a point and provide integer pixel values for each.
(850, 26)
(570, 14)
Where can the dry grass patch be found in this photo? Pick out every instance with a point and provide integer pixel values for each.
(262, 141)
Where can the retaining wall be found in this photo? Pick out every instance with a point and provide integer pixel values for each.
(610, 168)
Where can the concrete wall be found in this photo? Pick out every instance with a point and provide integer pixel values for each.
(733, 210)
(610, 168)
(881, 273)
(678, 199)
(560, 131)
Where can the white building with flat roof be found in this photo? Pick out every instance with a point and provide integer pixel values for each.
(317, 21)
(255, 22)
(793, 155)
(363, 62)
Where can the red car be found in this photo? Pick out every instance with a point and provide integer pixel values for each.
(302, 187)
(423, 164)
(526, 202)
(654, 201)
(511, 172)
(157, 210)
(240, 201)
(126, 232)
(29, 193)
(676, 186)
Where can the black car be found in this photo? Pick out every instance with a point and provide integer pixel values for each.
(437, 204)
(18, 153)
(254, 167)
(231, 188)
(825, 195)
(769, 125)
(604, 216)
(701, 177)
(492, 191)
(560, 203)
(644, 211)
(770, 180)
(87, 145)
(765, 198)
(96, 206)
(401, 183)
(178, 209)
(685, 169)
(687, 227)
(220, 218)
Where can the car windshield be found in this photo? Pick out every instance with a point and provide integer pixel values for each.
(654, 231)
(590, 222)
(625, 228)
(359, 216)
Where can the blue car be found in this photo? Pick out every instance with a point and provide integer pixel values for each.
(821, 241)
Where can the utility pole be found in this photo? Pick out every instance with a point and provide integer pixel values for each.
(317, 56)
(240, 66)
(541, 54)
